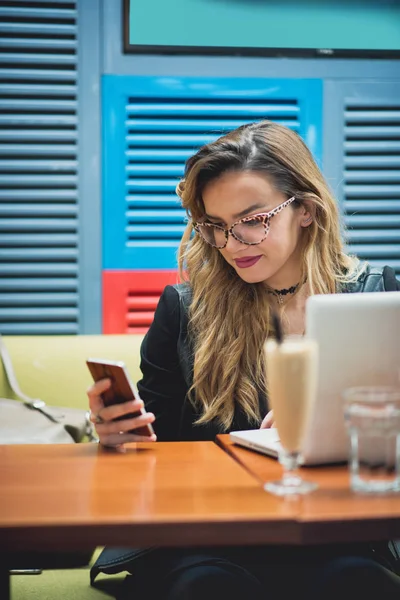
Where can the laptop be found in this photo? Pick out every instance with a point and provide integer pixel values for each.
(359, 344)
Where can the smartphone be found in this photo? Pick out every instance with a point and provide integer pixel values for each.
(122, 388)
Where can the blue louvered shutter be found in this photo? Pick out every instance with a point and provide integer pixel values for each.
(371, 199)
(38, 168)
(151, 127)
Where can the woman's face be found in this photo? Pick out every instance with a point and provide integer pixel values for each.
(276, 260)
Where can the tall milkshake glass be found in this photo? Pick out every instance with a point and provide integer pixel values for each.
(291, 369)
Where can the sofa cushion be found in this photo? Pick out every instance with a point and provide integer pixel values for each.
(53, 368)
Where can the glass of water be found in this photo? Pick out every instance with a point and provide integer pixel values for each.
(372, 416)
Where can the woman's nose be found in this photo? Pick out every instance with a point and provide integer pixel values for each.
(233, 245)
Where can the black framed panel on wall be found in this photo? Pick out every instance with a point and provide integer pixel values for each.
(301, 28)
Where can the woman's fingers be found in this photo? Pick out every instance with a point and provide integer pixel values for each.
(118, 440)
(125, 425)
(112, 432)
(94, 393)
(116, 411)
(268, 421)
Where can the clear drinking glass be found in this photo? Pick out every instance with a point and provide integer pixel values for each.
(372, 416)
(291, 368)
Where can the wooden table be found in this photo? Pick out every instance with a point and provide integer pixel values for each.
(333, 513)
(80, 496)
(172, 494)
(62, 497)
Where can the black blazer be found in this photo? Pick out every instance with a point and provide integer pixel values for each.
(167, 362)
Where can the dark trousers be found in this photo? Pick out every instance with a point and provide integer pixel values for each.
(201, 576)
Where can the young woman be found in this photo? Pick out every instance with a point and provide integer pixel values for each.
(263, 233)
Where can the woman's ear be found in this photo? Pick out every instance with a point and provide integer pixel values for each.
(308, 213)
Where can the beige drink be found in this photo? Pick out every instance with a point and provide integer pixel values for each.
(292, 380)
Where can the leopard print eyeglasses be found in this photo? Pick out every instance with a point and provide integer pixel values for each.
(249, 230)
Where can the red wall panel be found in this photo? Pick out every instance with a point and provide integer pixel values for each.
(130, 298)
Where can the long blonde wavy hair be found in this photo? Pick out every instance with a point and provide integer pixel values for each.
(229, 319)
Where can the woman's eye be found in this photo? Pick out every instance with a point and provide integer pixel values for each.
(252, 223)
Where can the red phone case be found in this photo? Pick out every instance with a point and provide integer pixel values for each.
(120, 391)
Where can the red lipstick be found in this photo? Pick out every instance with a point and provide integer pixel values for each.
(247, 261)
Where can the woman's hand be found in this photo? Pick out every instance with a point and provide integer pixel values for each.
(115, 433)
(268, 421)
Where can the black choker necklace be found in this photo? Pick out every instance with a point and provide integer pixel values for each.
(280, 294)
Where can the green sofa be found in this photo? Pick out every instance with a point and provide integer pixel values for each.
(53, 368)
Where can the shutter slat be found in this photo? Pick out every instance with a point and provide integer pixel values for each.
(140, 318)
(374, 176)
(38, 120)
(38, 74)
(142, 303)
(46, 180)
(217, 125)
(38, 135)
(38, 254)
(158, 155)
(47, 284)
(40, 43)
(213, 108)
(375, 147)
(37, 150)
(19, 58)
(46, 225)
(153, 201)
(38, 210)
(29, 195)
(154, 231)
(37, 13)
(375, 250)
(372, 191)
(38, 314)
(39, 165)
(154, 170)
(38, 299)
(38, 89)
(53, 29)
(368, 206)
(383, 162)
(164, 216)
(42, 240)
(153, 243)
(191, 140)
(39, 269)
(372, 132)
(42, 105)
(39, 328)
(375, 236)
(152, 185)
(372, 116)
(379, 220)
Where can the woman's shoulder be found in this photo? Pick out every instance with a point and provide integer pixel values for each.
(373, 279)
(174, 302)
(181, 292)
(172, 294)
(184, 290)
